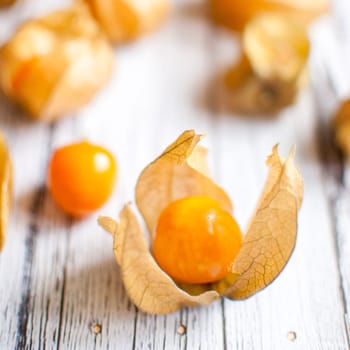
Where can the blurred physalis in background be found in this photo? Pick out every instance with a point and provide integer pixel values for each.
(272, 67)
(55, 64)
(5, 188)
(124, 20)
(235, 14)
(341, 124)
(4, 3)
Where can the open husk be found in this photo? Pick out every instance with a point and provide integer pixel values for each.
(55, 64)
(124, 20)
(172, 176)
(5, 189)
(236, 14)
(267, 245)
(273, 65)
(341, 125)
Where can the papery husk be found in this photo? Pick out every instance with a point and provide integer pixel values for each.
(266, 248)
(150, 288)
(271, 235)
(5, 189)
(172, 176)
(276, 46)
(236, 14)
(124, 20)
(251, 95)
(55, 64)
(272, 68)
(341, 125)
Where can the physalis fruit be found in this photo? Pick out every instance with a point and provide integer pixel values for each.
(196, 240)
(189, 221)
(272, 67)
(6, 188)
(55, 64)
(81, 177)
(235, 14)
(124, 20)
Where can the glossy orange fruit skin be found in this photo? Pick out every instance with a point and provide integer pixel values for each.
(196, 240)
(81, 177)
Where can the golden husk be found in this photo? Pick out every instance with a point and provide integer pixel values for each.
(272, 68)
(55, 64)
(341, 125)
(124, 20)
(6, 190)
(236, 14)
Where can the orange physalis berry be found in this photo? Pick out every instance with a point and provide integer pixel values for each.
(196, 240)
(22, 72)
(81, 177)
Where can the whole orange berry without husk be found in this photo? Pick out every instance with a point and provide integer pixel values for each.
(81, 177)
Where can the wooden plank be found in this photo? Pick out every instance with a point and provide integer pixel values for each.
(143, 100)
(33, 262)
(299, 301)
(16, 260)
(341, 202)
(336, 167)
(342, 225)
(306, 298)
(60, 287)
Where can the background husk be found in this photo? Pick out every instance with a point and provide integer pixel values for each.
(55, 64)
(236, 14)
(6, 190)
(272, 67)
(341, 125)
(124, 20)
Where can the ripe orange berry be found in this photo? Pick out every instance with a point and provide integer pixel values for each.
(81, 177)
(22, 72)
(196, 240)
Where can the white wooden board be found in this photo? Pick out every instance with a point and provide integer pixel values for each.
(58, 278)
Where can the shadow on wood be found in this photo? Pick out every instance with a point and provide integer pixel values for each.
(12, 115)
(38, 206)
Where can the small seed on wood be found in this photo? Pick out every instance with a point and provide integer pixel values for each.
(181, 330)
(96, 328)
(292, 336)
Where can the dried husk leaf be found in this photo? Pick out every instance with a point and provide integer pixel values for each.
(341, 125)
(236, 14)
(5, 188)
(247, 93)
(150, 288)
(277, 47)
(236, 75)
(198, 160)
(270, 238)
(55, 64)
(272, 68)
(172, 176)
(124, 20)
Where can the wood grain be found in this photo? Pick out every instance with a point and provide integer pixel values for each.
(60, 287)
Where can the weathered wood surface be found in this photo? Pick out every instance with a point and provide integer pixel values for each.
(58, 280)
